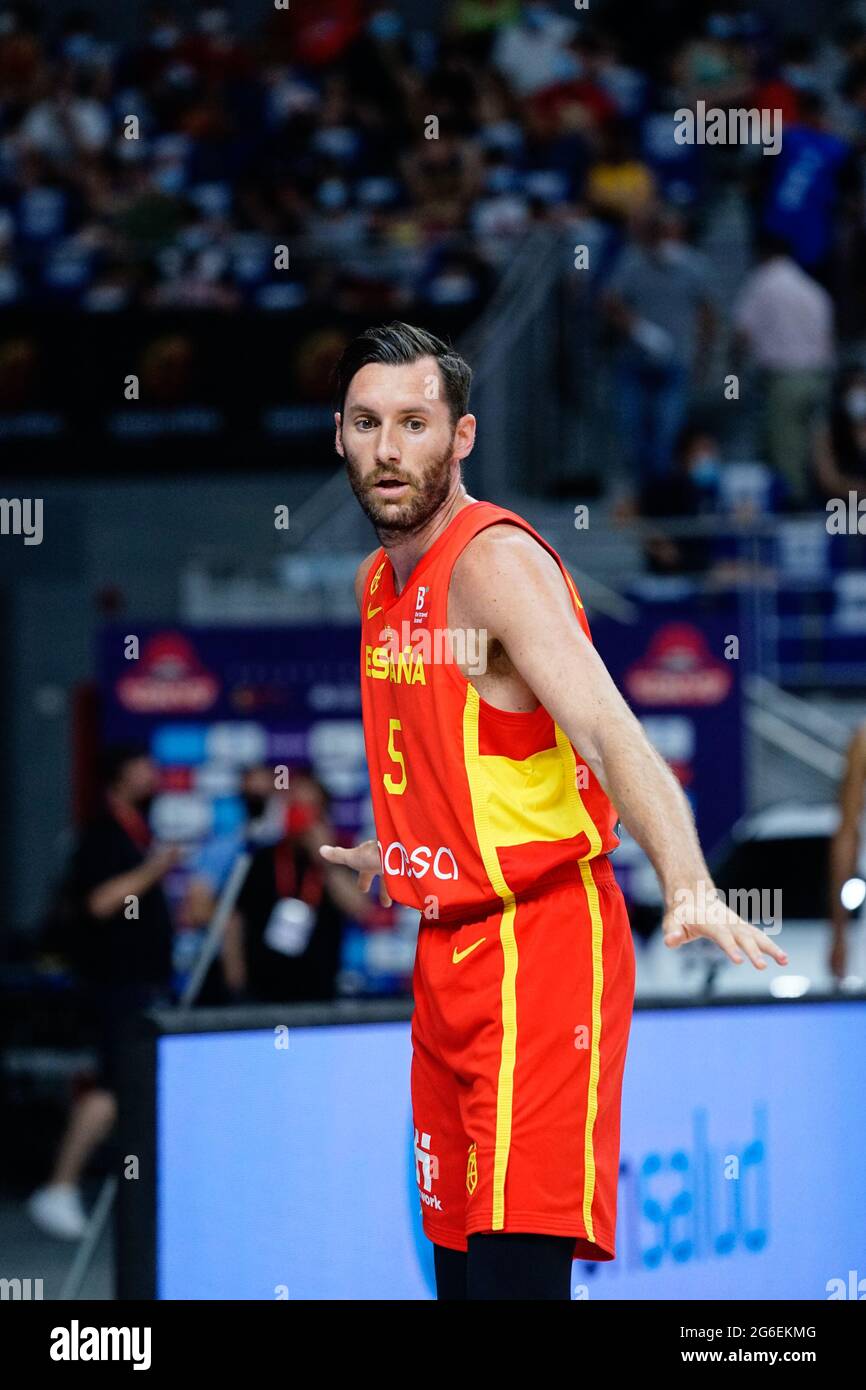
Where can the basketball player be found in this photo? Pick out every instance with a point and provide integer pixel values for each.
(497, 779)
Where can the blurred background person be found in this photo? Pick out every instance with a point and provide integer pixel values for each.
(118, 913)
(784, 320)
(658, 298)
(696, 489)
(811, 179)
(839, 456)
(265, 809)
(620, 186)
(692, 489)
(283, 943)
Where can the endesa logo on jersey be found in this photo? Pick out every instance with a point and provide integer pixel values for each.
(419, 862)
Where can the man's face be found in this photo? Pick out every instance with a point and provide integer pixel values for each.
(400, 445)
(140, 781)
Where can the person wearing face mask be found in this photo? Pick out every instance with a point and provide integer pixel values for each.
(119, 934)
(659, 302)
(691, 490)
(283, 942)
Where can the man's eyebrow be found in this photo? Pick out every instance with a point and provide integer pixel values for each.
(413, 409)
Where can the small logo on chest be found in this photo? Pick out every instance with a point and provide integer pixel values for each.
(421, 611)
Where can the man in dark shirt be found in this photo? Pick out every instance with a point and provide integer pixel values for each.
(292, 926)
(116, 880)
(283, 943)
(123, 932)
(691, 490)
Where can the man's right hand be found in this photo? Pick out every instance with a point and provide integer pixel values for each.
(164, 858)
(365, 859)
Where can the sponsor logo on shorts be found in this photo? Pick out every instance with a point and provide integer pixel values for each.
(426, 1170)
(417, 863)
(472, 1169)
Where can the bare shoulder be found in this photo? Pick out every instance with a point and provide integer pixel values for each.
(503, 561)
(362, 574)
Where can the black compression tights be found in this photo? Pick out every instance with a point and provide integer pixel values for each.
(505, 1264)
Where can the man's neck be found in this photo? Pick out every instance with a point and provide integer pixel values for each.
(405, 550)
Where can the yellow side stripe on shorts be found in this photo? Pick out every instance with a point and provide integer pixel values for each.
(591, 890)
(590, 886)
(508, 941)
(598, 966)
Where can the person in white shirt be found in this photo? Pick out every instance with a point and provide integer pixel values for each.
(784, 320)
(533, 52)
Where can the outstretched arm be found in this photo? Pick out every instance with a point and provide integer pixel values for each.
(508, 585)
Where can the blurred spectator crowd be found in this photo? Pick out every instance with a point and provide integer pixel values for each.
(335, 156)
(395, 163)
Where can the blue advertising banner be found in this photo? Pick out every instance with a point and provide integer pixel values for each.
(679, 674)
(211, 702)
(724, 1192)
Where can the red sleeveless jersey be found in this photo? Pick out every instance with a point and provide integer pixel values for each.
(473, 805)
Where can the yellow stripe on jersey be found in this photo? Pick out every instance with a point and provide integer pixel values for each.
(571, 791)
(499, 787)
(526, 798)
(479, 792)
(566, 752)
(535, 798)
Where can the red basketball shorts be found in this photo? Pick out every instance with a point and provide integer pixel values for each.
(519, 1038)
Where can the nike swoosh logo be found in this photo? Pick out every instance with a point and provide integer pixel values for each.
(371, 612)
(457, 956)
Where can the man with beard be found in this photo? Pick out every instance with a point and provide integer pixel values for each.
(494, 786)
(119, 920)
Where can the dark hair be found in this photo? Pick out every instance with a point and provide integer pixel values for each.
(810, 103)
(398, 344)
(692, 431)
(115, 758)
(308, 773)
(769, 244)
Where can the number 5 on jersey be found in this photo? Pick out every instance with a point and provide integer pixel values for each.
(396, 788)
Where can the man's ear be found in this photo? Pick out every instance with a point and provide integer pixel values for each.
(465, 436)
(338, 433)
